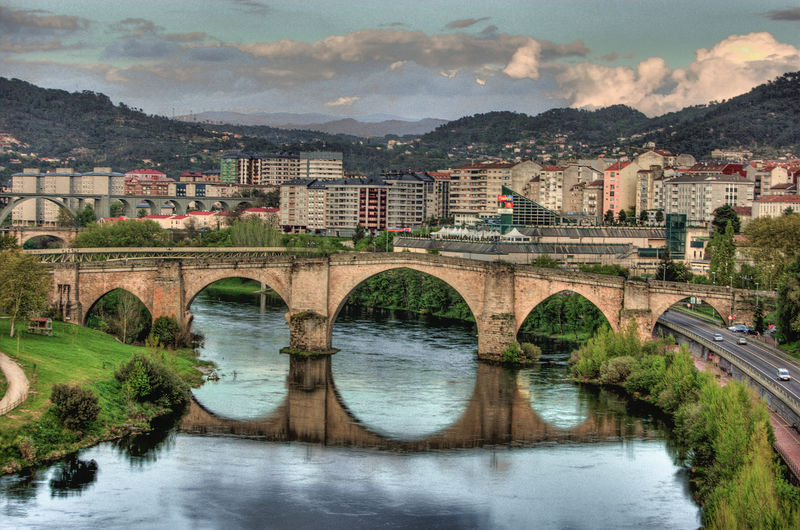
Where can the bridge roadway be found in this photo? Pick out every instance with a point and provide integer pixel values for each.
(762, 358)
(315, 288)
(498, 412)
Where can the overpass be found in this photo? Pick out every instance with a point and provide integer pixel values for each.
(498, 412)
(315, 288)
(22, 234)
(101, 203)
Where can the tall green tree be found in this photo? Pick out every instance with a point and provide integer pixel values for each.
(789, 303)
(24, 284)
(622, 217)
(130, 233)
(722, 253)
(722, 216)
(86, 216)
(609, 217)
(772, 243)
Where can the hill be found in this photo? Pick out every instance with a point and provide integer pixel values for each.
(85, 129)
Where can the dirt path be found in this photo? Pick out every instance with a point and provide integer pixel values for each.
(17, 384)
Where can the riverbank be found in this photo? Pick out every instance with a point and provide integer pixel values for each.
(31, 434)
(724, 432)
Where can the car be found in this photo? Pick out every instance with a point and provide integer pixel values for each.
(783, 374)
(737, 328)
(742, 340)
(718, 337)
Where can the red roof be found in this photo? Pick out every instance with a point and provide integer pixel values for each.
(779, 198)
(201, 213)
(743, 211)
(596, 184)
(145, 172)
(616, 166)
(179, 217)
(156, 216)
(268, 210)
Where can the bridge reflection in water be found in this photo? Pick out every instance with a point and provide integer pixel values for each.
(498, 412)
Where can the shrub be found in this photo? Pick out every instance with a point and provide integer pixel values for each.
(512, 353)
(531, 352)
(616, 370)
(165, 331)
(146, 379)
(74, 406)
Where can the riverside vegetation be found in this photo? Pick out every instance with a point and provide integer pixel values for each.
(87, 387)
(723, 433)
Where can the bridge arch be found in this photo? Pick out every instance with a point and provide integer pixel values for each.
(660, 305)
(29, 237)
(176, 205)
(19, 200)
(345, 279)
(91, 294)
(130, 319)
(533, 291)
(276, 279)
(562, 310)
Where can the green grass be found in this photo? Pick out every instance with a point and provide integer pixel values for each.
(81, 356)
(3, 385)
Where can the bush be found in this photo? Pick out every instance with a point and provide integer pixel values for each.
(75, 406)
(531, 352)
(616, 370)
(145, 379)
(165, 331)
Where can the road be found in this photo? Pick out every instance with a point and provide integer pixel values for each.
(760, 357)
(17, 384)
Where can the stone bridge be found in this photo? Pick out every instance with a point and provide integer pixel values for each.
(25, 233)
(315, 289)
(498, 412)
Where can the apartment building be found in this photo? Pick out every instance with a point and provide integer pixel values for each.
(775, 205)
(765, 177)
(697, 196)
(147, 182)
(619, 186)
(407, 204)
(592, 199)
(474, 188)
(650, 189)
(574, 174)
(321, 165)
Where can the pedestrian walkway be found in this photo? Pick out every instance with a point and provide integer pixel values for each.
(787, 439)
(17, 390)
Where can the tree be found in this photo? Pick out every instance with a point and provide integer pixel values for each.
(8, 242)
(622, 217)
(24, 285)
(789, 303)
(74, 406)
(758, 317)
(86, 216)
(660, 216)
(129, 316)
(65, 218)
(722, 216)
(788, 211)
(670, 271)
(643, 216)
(358, 235)
(772, 243)
(609, 217)
(722, 253)
(547, 261)
(141, 212)
(128, 233)
(116, 209)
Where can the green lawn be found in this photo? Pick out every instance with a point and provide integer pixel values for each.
(86, 357)
(3, 385)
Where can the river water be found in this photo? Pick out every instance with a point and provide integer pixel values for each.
(401, 428)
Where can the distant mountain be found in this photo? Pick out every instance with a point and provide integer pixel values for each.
(372, 125)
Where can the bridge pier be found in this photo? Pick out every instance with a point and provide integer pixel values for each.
(168, 292)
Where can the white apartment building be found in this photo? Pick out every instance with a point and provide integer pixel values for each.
(321, 165)
(775, 205)
(698, 196)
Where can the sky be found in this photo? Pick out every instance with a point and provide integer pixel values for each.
(408, 58)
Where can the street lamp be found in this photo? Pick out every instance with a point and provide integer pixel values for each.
(756, 294)
(714, 280)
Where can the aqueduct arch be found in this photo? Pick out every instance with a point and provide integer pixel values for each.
(20, 200)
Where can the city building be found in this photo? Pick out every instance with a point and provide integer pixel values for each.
(775, 205)
(321, 165)
(698, 195)
(474, 188)
(147, 182)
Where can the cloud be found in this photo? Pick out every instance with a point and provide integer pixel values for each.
(252, 6)
(784, 14)
(15, 20)
(344, 101)
(465, 22)
(138, 48)
(732, 67)
(525, 61)
(48, 46)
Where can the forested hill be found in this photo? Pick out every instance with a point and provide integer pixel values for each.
(89, 127)
(764, 119)
(591, 127)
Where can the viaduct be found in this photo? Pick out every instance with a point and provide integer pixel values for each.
(316, 288)
(499, 411)
(101, 203)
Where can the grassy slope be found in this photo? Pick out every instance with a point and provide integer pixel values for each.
(3, 385)
(88, 358)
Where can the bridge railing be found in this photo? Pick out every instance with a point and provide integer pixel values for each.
(71, 255)
(777, 390)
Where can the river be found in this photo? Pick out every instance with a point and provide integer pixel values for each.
(401, 428)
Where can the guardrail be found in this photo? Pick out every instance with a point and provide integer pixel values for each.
(789, 400)
(71, 255)
(8, 407)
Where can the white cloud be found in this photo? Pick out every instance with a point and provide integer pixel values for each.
(343, 101)
(525, 61)
(732, 67)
